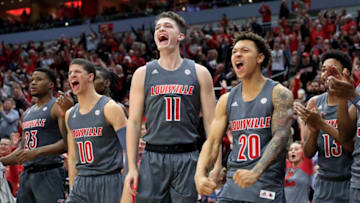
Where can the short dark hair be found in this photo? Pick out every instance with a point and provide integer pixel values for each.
(104, 73)
(49, 73)
(341, 56)
(260, 43)
(174, 16)
(86, 64)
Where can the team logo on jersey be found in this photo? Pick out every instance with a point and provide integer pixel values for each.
(263, 100)
(267, 194)
(235, 104)
(155, 71)
(97, 112)
(187, 71)
(45, 108)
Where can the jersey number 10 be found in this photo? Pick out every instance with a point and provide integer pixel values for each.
(85, 152)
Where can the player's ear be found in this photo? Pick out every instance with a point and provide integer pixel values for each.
(92, 77)
(107, 83)
(260, 58)
(181, 36)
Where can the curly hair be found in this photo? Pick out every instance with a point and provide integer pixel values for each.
(174, 16)
(260, 43)
(341, 56)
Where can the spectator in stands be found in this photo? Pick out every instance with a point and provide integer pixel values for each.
(265, 12)
(299, 170)
(9, 118)
(278, 62)
(284, 10)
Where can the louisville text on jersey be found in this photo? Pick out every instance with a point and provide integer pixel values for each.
(172, 89)
(250, 123)
(34, 123)
(87, 132)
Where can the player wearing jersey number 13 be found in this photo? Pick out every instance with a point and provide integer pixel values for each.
(321, 135)
(259, 113)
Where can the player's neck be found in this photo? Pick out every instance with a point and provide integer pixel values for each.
(87, 100)
(170, 60)
(252, 86)
(332, 99)
(43, 100)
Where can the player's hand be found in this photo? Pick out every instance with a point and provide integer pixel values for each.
(65, 101)
(204, 185)
(131, 182)
(25, 155)
(342, 87)
(218, 176)
(245, 178)
(311, 117)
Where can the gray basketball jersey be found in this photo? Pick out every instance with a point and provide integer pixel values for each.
(98, 150)
(250, 124)
(333, 160)
(40, 130)
(298, 182)
(172, 104)
(355, 168)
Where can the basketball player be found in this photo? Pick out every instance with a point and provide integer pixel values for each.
(105, 83)
(95, 154)
(171, 92)
(258, 111)
(349, 124)
(43, 178)
(321, 135)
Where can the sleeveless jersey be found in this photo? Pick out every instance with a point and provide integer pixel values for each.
(172, 104)
(298, 181)
(355, 168)
(250, 124)
(40, 130)
(334, 161)
(98, 150)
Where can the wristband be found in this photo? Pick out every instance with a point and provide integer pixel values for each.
(356, 100)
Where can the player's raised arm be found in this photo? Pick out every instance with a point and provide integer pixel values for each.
(210, 149)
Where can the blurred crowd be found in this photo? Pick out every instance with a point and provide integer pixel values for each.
(297, 41)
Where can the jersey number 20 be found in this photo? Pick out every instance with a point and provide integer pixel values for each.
(172, 108)
(252, 143)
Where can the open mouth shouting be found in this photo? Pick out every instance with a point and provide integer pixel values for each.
(163, 39)
(75, 85)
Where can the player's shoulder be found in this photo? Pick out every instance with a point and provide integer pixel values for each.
(282, 95)
(67, 113)
(113, 108)
(312, 101)
(139, 73)
(202, 73)
(201, 69)
(223, 100)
